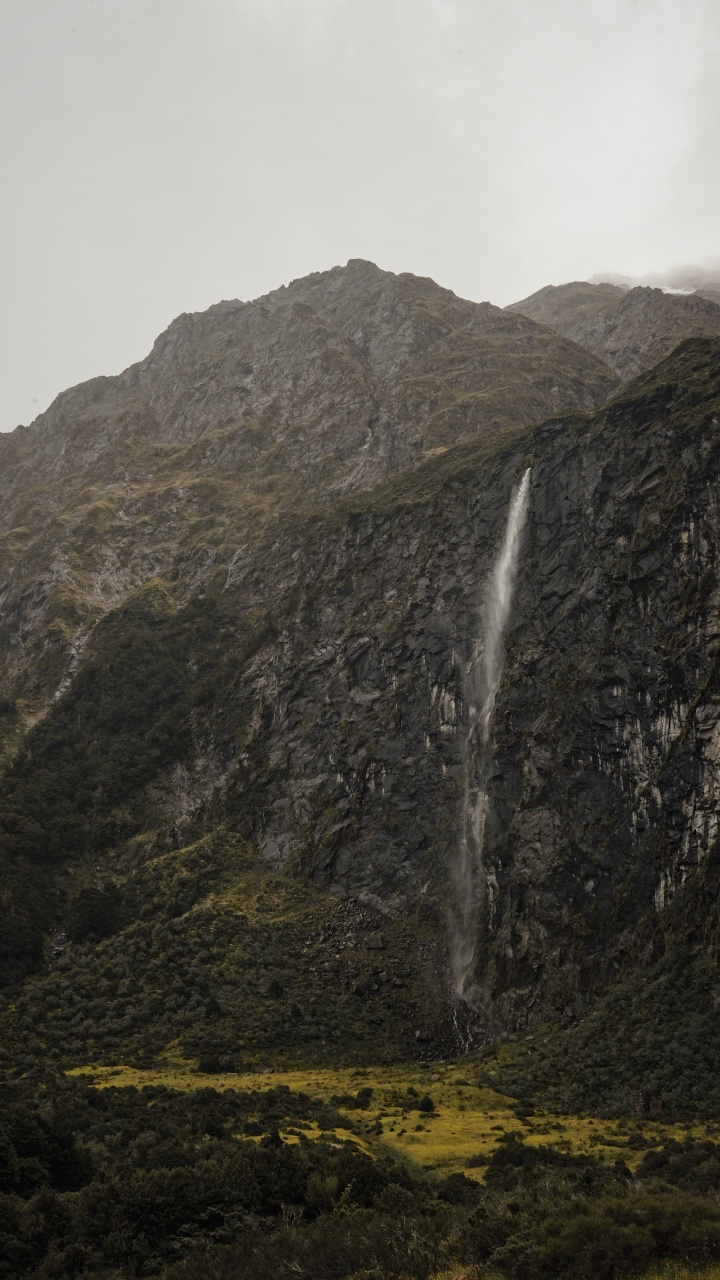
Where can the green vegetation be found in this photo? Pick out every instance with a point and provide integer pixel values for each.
(82, 781)
(425, 1114)
(265, 1182)
(201, 952)
(650, 1045)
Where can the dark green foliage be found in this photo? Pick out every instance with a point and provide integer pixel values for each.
(132, 1179)
(651, 1044)
(605, 1238)
(214, 1064)
(91, 915)
(515, 1164)
(547, 1214)
(137, 705)
(457, 1189)
(359, 1101)
(365, 1245)
(124, 717)
(412, 1101)
(26, 912)
(694, 1166)
(37, 1143)
(200, 935)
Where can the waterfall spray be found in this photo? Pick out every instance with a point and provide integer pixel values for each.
(482, 683)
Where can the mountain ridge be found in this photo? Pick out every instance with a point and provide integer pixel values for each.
(243, 411)
(631, 329)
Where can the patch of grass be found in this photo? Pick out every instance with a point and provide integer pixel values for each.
(466, 1121)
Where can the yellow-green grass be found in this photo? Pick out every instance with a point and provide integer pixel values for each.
(468, 1121)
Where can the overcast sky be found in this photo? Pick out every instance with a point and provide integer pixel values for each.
(159, 155)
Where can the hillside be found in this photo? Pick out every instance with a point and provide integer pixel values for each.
(312, 700)
(629, 329)
(239, 414)
(245, 616)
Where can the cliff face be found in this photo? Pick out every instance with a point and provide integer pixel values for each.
(296, 672)
(604, 753)
(630, 329)
(606, 785)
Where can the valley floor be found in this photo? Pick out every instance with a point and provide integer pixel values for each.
(436, 1117)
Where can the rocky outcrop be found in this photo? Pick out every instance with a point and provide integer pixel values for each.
(606, 790)
(630, 329)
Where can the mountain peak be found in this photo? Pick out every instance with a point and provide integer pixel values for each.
(631, 329)
(347, 374)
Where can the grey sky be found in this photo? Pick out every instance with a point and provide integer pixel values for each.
(159, 155)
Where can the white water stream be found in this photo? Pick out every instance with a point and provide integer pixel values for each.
(481, 686)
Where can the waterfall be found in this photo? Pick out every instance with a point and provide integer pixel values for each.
(481, 686)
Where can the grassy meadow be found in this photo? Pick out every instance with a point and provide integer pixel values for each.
(433, 1116)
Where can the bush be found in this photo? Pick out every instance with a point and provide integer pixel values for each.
(93, 914)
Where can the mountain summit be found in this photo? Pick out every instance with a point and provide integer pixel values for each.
(323, 388)
(629, 329)
(344, 376)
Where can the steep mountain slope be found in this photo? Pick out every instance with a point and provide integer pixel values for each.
(313, 702)
(630, 329)
(603, 777)
(247, 410)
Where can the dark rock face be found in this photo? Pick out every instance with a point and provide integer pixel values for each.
(630, 329)
(329, 723)
(603, 777)
(606, 790)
